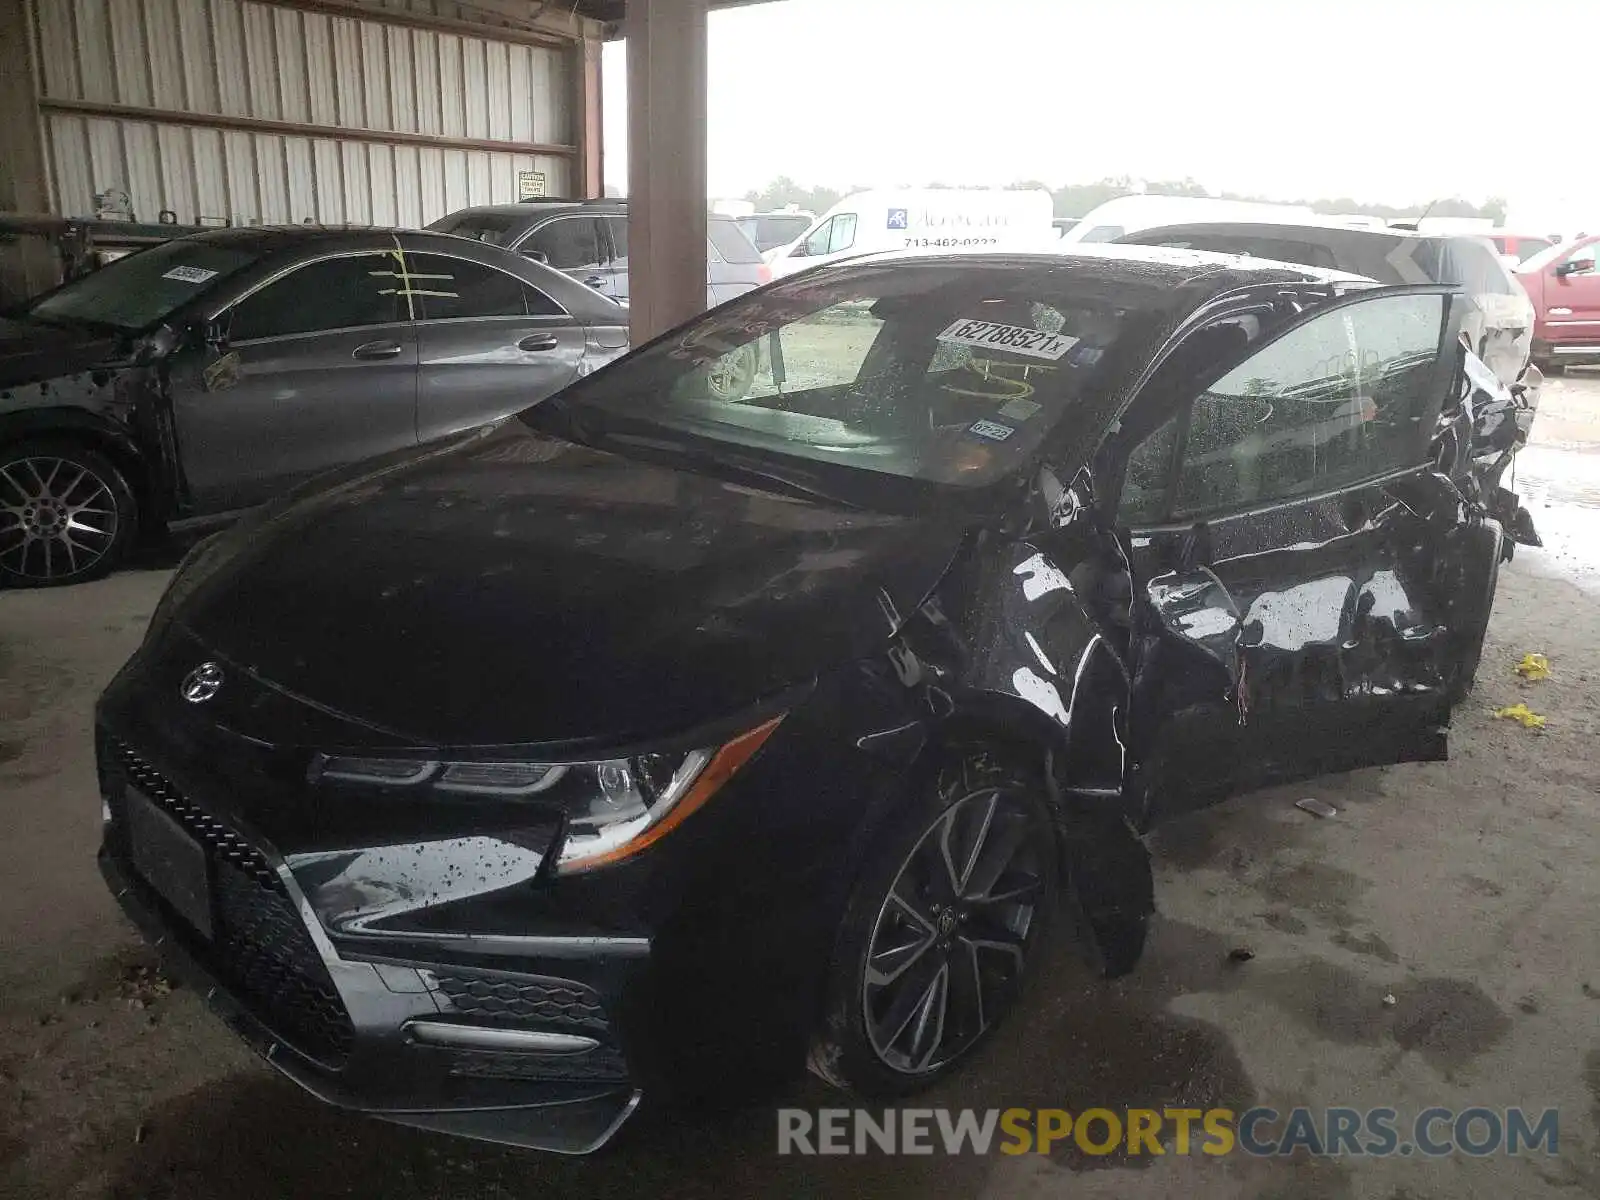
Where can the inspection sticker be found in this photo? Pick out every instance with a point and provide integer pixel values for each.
(1034, 343)
(1020, 410)
(993, 430)
(190, 274)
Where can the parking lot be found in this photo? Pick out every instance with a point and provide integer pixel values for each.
(1433, 943)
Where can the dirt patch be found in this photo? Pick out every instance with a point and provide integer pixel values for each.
(1448, 1021)
(1369, 943)
(1322, 892)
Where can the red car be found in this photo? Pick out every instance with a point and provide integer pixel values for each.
(1564, 285)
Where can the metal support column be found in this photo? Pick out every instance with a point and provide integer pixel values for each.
(589, 170)
(666, 164)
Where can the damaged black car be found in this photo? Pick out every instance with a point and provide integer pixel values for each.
(653, 741)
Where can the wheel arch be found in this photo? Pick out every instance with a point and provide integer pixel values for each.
(95, 433)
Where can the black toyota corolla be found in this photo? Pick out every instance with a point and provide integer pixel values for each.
(656, 739)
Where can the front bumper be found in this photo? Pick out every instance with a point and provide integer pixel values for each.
(514, 1057)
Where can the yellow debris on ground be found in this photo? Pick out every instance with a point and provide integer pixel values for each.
(1533, 667)
(1523, 715)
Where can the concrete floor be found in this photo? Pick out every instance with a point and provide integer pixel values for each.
(1466, 890)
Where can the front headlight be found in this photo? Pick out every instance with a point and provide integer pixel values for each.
(614, 807)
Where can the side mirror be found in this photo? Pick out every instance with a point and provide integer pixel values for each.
(1574, 266)
(538, 256)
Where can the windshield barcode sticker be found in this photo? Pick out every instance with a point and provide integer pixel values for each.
(1014, 339)
(993, 430)
(190, 274)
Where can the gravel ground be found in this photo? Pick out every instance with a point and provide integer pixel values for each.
(1465, 890)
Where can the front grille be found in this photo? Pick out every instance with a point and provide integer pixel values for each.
(530, 999)
(222, 844)
(262, 949)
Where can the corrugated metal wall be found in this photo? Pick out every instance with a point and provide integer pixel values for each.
(238, 59)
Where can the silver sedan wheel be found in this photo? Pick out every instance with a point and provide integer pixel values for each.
(57, 518)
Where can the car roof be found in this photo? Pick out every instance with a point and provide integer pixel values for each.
(1307, 230)
(1176, 268)
(530, 209)
(266, 239)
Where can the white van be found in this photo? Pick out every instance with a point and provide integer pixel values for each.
(1131, 214)
(923, 219)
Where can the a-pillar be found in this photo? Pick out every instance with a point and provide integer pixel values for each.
(666, 163)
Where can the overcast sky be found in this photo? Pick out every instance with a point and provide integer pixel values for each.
(1398, 101)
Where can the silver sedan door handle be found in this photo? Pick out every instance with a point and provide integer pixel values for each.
(538, 341)
(377, 350)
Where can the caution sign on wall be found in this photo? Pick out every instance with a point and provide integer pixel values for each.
(530, 185)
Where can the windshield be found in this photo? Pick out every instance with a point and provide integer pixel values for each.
(949, 373)
(142, 289)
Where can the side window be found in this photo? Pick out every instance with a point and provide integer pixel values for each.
(617, 227)
(447, 288)
(1349, 396)
(844, 233)
(1584, 257)
(567, 243)
(817, 243)
(1144, 484)
(333, 293)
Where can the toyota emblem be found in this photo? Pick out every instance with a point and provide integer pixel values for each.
(202, 683)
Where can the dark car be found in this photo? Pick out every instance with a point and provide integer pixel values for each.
(653, 743)
(588, 239)
(206, 374)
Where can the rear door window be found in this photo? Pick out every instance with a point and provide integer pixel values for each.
(617, 229)
(731, 243)
(568, 243)
(347, 292)
(446, 288)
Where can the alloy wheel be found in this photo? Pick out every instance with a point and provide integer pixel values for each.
(730, 377)
(57, 518)
(950, 944)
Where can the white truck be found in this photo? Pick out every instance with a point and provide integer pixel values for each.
(928, 219)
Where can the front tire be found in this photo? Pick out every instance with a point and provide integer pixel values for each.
(1474, 591)
(67, 514)
(940, 931)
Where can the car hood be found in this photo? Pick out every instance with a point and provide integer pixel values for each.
(513, 588)
(30, 351)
